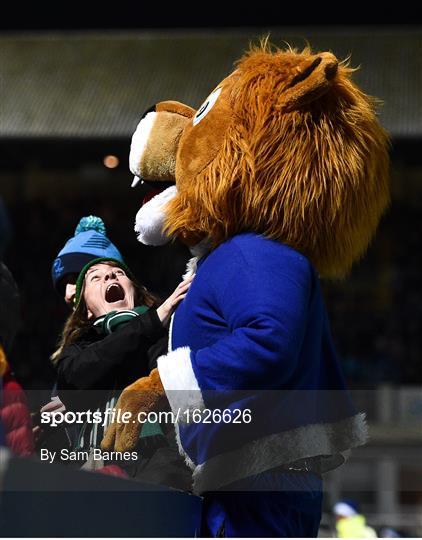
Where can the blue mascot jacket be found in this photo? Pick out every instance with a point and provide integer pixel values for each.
(252, 375)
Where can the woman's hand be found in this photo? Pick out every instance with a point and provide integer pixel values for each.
(166, 309)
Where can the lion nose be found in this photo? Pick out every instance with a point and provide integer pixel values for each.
(330, 64)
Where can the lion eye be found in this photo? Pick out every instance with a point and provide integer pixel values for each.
(205, 108)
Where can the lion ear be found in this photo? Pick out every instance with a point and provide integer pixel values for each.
(312, 79)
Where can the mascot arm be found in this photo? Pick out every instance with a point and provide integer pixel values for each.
(144, 395)
(267, 319)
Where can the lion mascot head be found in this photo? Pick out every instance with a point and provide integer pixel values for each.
(287, 146)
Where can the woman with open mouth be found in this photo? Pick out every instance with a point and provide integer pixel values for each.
(112, 338)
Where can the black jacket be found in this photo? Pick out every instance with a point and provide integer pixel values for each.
(98, 368)
(96, 364)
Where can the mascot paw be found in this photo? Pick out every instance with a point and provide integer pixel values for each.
(144, 395)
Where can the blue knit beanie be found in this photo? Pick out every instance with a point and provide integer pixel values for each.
(89, 242)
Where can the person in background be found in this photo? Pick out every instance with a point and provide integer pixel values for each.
(5, 229)
(89, 242)
(350, 523)
(389, 532)
(14, 412)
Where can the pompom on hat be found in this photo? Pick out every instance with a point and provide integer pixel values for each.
(89, 242)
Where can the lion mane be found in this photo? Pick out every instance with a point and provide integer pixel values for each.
(304, 164)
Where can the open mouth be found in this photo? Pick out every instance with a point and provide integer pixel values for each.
(153, 188)
(114, 293)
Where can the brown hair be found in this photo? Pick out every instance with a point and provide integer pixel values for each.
(314, 175)
(77, 322)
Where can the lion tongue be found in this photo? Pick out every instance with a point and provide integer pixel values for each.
(114, 293)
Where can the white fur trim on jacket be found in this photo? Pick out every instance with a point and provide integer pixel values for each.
(198, 251)
(188, 461)
(139, 142)
(331, 441)
(149, 221)
(179, 382)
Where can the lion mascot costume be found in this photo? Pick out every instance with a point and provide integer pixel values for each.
(281, 177)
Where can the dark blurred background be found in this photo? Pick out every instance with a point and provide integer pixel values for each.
(72, 92)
